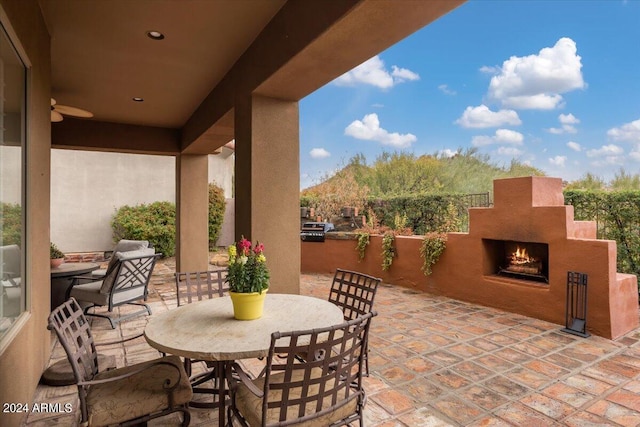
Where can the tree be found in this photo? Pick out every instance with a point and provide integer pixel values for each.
(339, 191)
(588, 182)
(624, 181)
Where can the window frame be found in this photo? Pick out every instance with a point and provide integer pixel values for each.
(7, 32)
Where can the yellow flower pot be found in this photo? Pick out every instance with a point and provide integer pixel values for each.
(248, 306)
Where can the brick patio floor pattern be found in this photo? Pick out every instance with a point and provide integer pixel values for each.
(440, 362)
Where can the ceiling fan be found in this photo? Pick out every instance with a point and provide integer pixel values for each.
(57, 112)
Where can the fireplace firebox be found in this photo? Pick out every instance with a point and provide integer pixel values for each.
(518, 260)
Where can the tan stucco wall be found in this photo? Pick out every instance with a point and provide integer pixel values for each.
(25, 354)
(88, 186)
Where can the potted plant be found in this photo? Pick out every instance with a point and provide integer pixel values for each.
(248, 279)
(55, 255)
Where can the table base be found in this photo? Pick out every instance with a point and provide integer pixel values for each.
(219, 378)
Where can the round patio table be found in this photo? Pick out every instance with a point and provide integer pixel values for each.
(207, 330)
(62, 277)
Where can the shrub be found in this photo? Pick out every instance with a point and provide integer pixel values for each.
(155, 222)
(617, 215)
(217, 205)
(10, 224)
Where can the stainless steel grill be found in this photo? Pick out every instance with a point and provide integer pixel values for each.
(315, 231)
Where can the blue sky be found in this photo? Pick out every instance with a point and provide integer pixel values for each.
(555, 84)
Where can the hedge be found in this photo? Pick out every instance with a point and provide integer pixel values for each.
(617, 215)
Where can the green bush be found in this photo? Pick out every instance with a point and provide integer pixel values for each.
(10, 224)
(155, 222)
(217, 205)
(617, 215)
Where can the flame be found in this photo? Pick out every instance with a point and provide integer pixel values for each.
(520, 256)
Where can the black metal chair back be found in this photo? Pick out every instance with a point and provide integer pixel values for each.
(199, 285)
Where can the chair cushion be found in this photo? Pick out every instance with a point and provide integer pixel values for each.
(130, 245)
(61, 373)
(121, 256)
(10, 256)
(11, 301)
(137, 395)
(250, 405)
(90, 292)
(112, 270)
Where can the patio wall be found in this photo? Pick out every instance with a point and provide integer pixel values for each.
(87, 187)
(612, 311)
(461, 271)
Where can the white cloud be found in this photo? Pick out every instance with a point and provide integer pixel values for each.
(629, 132)
(567, 121)
(606, 150)
(319, 153)
(403, 74)
(502, 136)
(369, 129)
(447, 152)
(373, 72)
(487, 69)
(482, 117)
(537, 81)
(574, 146)
(635, 153)
(558, 160)
(445, 89)
(509, 151)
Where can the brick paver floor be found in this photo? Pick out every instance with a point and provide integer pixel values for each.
(440, 362)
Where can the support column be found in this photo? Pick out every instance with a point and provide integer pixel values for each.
(192, 212)
(267, 184)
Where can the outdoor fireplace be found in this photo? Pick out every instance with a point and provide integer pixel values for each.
(518, 260)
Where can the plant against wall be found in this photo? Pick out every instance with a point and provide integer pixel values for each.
(388, 250)
(434, 243)
(217, 205)
(363, 241)
(432, 247)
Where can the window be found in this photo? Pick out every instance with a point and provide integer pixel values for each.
(13, 76)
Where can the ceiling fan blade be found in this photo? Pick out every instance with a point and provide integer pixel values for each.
(73, 111)
(55, 116)
(53, 102)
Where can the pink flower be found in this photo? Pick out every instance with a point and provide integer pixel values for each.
(259, 248)
(244, 246)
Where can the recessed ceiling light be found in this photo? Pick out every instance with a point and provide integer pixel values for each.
(155, 35)
(138, 99)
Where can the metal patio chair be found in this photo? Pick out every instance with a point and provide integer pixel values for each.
(354, 293)
(323, 391)
(197, 286)
(125, 282)
(125, 396)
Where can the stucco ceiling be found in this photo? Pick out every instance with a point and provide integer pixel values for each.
(102, 57)
(214, 52)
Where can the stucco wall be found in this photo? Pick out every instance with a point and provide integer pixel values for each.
(88, 187)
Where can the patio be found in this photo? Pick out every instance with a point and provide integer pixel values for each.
(440, 362)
